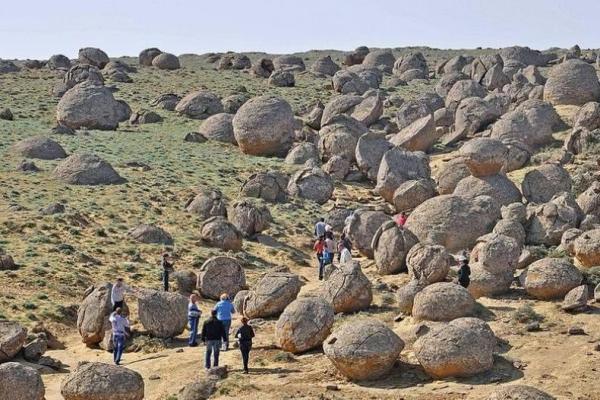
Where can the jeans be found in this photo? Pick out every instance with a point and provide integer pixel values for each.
(226, 325)
(245, 347)
(165, 280)
(326, 260)
(119, 346)
(193, 321)
(212, 346)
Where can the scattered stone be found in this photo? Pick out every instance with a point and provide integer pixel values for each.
(99, 381)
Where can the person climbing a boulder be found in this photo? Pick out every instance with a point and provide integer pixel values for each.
(224, 309)
(194, 314)
(117, 294)
(120, 332)
(166, 263)
(244, 336)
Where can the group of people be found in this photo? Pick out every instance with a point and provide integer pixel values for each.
(214, 333)
(326, 247)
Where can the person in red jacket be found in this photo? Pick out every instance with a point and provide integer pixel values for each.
(400, 218)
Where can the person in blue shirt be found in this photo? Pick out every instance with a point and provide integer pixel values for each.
(224, 309)
(120, 327)
(194, 314)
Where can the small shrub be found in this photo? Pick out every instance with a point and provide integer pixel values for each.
(526, 314)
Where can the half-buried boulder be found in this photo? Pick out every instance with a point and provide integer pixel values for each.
(270, 186)
(86, 169)
(250, 217)
(304, 324)
(218, 232)
(519, 392)
(311, 184)
(93, 313)
(162, 314)
(572, 82)
(391, 243)
(200, 104)
(550, 278)
(99, 381)
(153, 234)
(347, 289)
(218, 127)
(442, 301)
(39, 147)
(272, 295)
(364, 349)
(325, 66)
(88, 105)
(12, 339)
(93, 56)
(220, 275)
(20, 382)
(207, 203)
(147, 55)
(166, 61)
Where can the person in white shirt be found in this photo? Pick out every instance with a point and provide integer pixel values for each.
(120, 327)
(117, 294)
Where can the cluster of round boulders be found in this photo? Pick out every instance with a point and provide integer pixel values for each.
(220, 275)
(39, 147)
(412, 193)
(347, 288)
(270, 186)
(518, 392)
(218, 127)
(454, 222)
(89, 105)
(464, 347)
(12, 339)
(99, 381)
(547, 222)
(391, 244)
(442, 301)
(428, 263)
(304, 324)
(153, 234)
(311, 183)
(250, 217)
(93, 56)
(587, 248)
(363, 350)
(92, 314)
(20, 382)
(484, 156)
(147, 55)
(218, 232)
(264, 126)
(86, 169)
(166, 61)
(544, 182)
(272, 294)
(572, 82)
(162, 314)
(208, 203)
(200, 104)
(234, 61)
(550, 278)
(362, 228)
(398, 166)
(405, 296)
(301, 153)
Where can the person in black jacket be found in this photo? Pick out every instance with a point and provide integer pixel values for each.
(212, 334)
(464, 272)
(245, 335)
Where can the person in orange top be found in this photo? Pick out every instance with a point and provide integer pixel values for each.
(319, 247)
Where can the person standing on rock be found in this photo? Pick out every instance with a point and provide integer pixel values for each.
(224, 309)
(194, 314)
(212, 334)
(120, 325)
(117, 294)
(464, 272)
(167, 268)
(320, 228)
(319, 247)
(244, 335)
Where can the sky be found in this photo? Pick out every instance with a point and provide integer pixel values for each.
(38, 29)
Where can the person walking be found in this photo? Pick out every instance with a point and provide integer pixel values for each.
(319, 247)
(345, 256)
(167, 268)
(194, 314)
(212, 335)
(120, 326)
(464, 272)
(344, 243)
(117, 293)
(244, 336)
(328, 253)
(224, 309)
(320, 228)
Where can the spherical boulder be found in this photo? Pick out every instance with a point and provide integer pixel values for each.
(398, 166)
(462, 348)
(12, 339)
(166, 61)
(412, 193)
(208, 203)
(218, 127)
(272, 294)
(289, 63)
(20, 382)
(484, 156)
(264, 126)
(304, 324)
(518, 392)
(511, 229)
(325, 66)
(93, 313)
(86, 169)
(405, 296)
(147, 55)
(88, 105)
(544, 182)
(93, 56)
(499, 187)
(572, 82)
(442, 301)
(218, 232)
(454, 222)
(550, 278)
(162, 314)
(99, 381)
(380, 59)
(364, 349)
(250, 217)
(270, 186)
(496, 253)
(391, 243)
(311, 184)
(484, 283)
(220, 275)
(347, 288)
(200, 104)
(39, 147)
(145, 233)
(428, 263)
(514, 212)
(587, 248)
(281, 78)
(59, 61)
(362, 228)
(450, 173)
